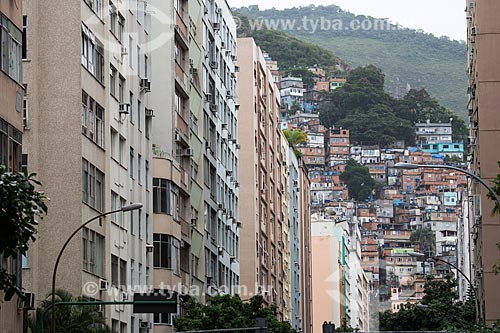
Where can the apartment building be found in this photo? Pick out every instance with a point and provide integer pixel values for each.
(483, 29)
(88, 136)
(220, 147)
(271, 247)
(12, 50)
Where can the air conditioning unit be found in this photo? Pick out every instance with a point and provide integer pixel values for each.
(216, 25)
(220, 250)
(29, 301)
(238, 146)
(232, 258)
(149, 248)
(188, 152)
(236, 69)
(228, 95)
(149, 113)
(473, 31)
(229, 172)
(228, 227)
(213, 107)
(213, 64)
(145, 85)
(103, 284)
(178, 137)
(236, 184)
(220, 206)
(124, 296)
(194, 70)
(239, 224)
(224, 125)
(223, 45)
(124, 107)
(124, 51)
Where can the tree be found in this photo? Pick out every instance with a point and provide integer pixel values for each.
(425, 238)
(20, 206)
(295, 138)
(227, 311)
(439, 310)
(358, 180)
(69, 318)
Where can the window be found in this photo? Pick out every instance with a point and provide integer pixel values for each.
(121, 89)
(121, 150)
(123, 272)
(25, 37)
(131, 162)
(114, 205)
(96, 6)
(10, 49)
(138, 59)
(25, 107)
(132, 107)
(92, 119)
(92, 185)
(139, 169)
(166, 253)
(113, 17)
(120, 28)
(139, 115)
(114, 271)
(147, 174)
(10, 146)
(130, 50)
(112, 81)
(92, 252)
(163, 192)
(92, 54)
(114, 141)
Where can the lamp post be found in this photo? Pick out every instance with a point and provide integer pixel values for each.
(421, 255)
(411, 166)
(126, 208)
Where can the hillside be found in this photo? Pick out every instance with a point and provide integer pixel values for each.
(409, 58)
(288, 50)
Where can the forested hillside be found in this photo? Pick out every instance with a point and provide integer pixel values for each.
(409, 58)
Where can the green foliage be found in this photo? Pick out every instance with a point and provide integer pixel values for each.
(20, 206)
(227, 312)
(358, 180)
(295, 138)
(292, 54)
(374, 117)
(425, 238)
(439, 311)
(408, 57)
(69, 318)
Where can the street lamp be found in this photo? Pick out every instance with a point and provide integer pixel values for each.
(421, 255)
(126, 208)
(411, 166)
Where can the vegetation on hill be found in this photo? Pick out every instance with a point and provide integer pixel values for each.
(290, 52)
(409, 58)
(375, 117)
(358, 180)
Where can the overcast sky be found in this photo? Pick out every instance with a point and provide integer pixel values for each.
(440, 17)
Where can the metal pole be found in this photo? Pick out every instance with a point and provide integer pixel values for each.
(466, 277)
(53, 319)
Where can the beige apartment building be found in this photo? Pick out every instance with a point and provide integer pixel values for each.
(274, 197)
(11, 129)
(88, 137)
(484, 84)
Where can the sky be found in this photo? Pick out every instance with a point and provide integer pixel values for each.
(439, 17)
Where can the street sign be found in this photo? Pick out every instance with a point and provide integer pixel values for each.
(167, 302)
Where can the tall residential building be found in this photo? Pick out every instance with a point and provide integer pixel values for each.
(88, 136)
(274, 197)
(262, 188)
(11, 127)
(220, 147)
(484, 78)
(195, 149)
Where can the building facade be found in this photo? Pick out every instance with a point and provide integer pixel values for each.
(12, 50)
(484, 74)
